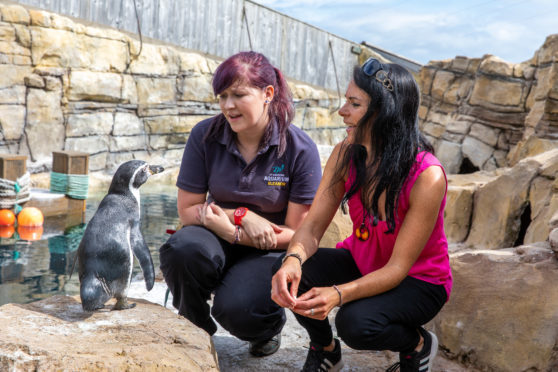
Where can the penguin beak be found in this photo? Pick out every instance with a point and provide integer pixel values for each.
(154, 169)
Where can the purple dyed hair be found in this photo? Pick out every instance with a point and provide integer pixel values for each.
(255, 69)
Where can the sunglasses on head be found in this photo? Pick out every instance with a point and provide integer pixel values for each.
(373, 67)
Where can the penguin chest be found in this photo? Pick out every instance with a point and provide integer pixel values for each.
(130, 251)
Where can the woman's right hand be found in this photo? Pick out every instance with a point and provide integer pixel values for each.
(284, 284)
(215, 219)
(262, 232)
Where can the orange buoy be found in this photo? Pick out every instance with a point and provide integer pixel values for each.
(7, 231)
(30, 232)
(7, 217)
(30, 216)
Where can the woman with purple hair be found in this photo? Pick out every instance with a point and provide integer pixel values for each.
(246, 182)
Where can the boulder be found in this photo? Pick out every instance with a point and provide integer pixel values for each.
(449, 154)
(476, 151)
(156, 91)
(543, 200)
(489, 92)
(496, 66)
(498, 206)
(89, 124)
(12, 121)
(340, 228)
(154, 59)
(196, 87)
(126, 144)
(530, 147)
(61, 47)
(442, 81)
(11, 76)
(94, 86)
(502, 314)
(127, 124)
(45, 124)
(56, 334)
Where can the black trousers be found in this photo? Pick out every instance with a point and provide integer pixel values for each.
(388, 321)
(196, 263)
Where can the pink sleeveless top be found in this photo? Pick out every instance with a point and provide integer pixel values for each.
(432, 265)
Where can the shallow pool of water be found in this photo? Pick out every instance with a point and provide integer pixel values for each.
(31, 271)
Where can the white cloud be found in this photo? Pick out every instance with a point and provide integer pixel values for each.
(433, 29)
(504, 31)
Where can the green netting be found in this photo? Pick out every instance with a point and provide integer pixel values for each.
(73, 185)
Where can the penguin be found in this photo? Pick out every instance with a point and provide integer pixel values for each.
(111, 240)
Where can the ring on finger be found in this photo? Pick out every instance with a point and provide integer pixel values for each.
(312, 311)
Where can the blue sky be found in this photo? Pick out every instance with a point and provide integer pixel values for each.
(433, 29)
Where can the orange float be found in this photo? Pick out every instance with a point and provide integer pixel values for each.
(30, 216)
(7, 217)
(30, 233)
(7, 231)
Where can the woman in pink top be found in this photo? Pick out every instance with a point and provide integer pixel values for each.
(392, 275)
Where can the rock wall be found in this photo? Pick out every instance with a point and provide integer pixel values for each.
(67, 85)
(475, 110)
(502, 226)
(494, 126)
(506, 207)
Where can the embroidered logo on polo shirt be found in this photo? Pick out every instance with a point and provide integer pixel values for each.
(276, 177)
(276, 169)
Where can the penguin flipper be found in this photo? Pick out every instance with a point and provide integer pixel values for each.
(141, 251)
(76, 258)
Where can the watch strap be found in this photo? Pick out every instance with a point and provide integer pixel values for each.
(295, 255)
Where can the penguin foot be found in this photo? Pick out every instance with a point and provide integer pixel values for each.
(122, 304)
(91, 308)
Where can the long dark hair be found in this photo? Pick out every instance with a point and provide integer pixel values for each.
(391, 124)
(256, 70)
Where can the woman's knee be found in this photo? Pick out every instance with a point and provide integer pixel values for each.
(191, 247)
(359, 333)
(246, 321)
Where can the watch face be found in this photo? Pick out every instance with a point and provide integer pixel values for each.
(239, 212)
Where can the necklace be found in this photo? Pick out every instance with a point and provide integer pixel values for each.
(362, 232)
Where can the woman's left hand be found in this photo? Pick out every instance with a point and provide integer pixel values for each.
(215, 219)
(317, 302)
(262, 232)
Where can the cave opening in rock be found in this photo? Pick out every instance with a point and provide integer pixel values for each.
(525, 221)
(467, 167)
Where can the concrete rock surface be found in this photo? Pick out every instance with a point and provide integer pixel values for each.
(502, 314)
(55, 334)
(234, 356)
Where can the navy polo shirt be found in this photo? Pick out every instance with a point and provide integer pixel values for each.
(265, 186)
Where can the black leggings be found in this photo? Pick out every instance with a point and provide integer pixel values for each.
(388, 321)
(196, 263)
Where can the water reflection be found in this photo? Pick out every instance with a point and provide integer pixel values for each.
(33, 270)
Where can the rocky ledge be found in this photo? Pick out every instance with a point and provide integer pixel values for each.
(55, 334)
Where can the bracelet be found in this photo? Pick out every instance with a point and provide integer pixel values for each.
(295, 255)
(340, 296)
(236, 234)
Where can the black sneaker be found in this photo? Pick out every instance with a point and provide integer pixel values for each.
(319, 360)
(418, 361)
(265, 347)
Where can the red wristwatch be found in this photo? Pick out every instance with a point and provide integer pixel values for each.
(239, 214)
